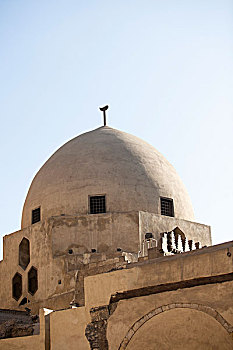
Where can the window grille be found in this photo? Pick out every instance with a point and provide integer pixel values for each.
(97, 204)
(35, 215)
(167, 206)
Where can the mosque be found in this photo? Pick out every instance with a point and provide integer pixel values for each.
(109, 256)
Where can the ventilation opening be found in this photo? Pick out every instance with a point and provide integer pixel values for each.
(17, 286)
(97, 204)
(24, 253)
(24, 301)
(32, 280)
(35, 215)
(167, 206)
(148, 235)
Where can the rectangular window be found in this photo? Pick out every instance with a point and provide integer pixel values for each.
(35, 215)
(167, 206)
(97, 204)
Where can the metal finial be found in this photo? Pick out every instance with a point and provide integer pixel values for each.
(103, 109)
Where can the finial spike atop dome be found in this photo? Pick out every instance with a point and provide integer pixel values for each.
(103, 109)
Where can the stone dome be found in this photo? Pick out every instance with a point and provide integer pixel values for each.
(132, 175)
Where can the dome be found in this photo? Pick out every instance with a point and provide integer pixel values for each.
(132, 175)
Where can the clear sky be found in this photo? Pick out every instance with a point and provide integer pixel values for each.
(164, 67)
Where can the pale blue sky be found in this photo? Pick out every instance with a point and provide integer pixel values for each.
(164, 67)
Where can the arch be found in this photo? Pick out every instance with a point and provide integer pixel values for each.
(206, 309)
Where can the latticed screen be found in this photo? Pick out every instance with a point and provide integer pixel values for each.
(97, 204)
(167, 206)
(35, 215)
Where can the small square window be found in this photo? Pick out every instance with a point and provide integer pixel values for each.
(35, 215)
(167, 206)
(97, 204)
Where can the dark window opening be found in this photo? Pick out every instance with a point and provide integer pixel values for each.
(167, 206)
(17, 286)
(35, 215)
(23, 301)
(24, 253)
(97, 205)
(32, 280)
(148, 235)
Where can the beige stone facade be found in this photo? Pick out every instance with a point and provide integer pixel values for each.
(132, 276)
(189, 306)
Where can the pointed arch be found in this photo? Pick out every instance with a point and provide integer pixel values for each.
(206, 309)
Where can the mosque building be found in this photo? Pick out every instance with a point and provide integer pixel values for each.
(109, 256)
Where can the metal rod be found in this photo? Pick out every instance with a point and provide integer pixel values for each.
(103, 109)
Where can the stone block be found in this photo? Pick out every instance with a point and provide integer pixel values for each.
(129, 334)
(220, 319)
(157, 311)
(165, 307)
(138, 324)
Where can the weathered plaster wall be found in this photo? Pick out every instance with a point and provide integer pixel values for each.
(50, 270)
(205, 262)
(50, 243)
(22, 343)
(67, 329)
(157, 224)
(219, 297)
(35, 342)
(181, 329)
(201, 315)
(103, 232)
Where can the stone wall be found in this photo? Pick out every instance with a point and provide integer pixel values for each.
(156, 224)
(61, 247)
(167, 301)
(20, 341)
(102, 232)
(49, 271)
